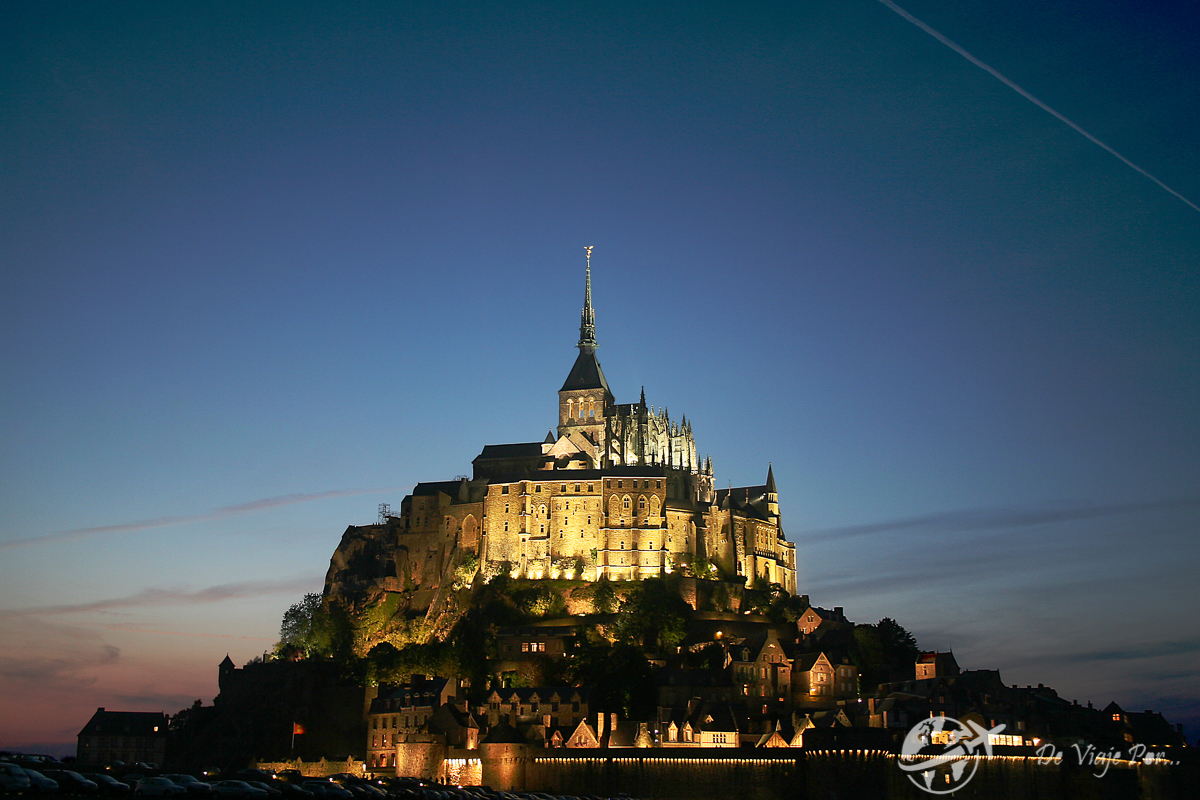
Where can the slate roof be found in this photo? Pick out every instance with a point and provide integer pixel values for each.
(586, 374)
(126, 723)
(503, 733)
(517, 450)
(429, 488)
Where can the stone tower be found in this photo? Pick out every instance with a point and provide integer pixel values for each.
(584, 401)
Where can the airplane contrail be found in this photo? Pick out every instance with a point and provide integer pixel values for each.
(995, 74)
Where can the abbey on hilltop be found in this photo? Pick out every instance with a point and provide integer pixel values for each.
(619, 493)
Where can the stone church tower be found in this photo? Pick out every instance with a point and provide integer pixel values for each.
(584, 401)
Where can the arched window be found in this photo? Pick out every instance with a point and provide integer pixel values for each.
(642, 503)
(626, 502)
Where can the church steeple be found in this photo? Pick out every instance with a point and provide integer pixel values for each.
(587, 323)
(584, 401)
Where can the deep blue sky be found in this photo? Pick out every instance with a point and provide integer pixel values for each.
(268, 265)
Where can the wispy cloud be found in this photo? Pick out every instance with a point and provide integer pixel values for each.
(986, 519)
(128, 628)
(163, 522)
(1155, 650)
(177, 597)
(57, 672)
(167, 702)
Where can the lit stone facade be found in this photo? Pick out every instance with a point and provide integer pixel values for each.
(619, 493)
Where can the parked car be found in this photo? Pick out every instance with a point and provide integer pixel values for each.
(327, 790)
(133, 779)
(293, 791)
(158, 787)
(108, 785)
(194, 786)
(271, 791)
(72, 782)
(237, 790)
(13, 779)
(39, 783)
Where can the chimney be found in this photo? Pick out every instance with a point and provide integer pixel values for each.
(838, 611)
(599, 725)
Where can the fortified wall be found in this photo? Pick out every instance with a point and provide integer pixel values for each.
(788, 774)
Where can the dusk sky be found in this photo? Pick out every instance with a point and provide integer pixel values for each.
(268, 265)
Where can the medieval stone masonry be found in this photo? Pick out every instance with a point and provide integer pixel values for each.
(617, 492)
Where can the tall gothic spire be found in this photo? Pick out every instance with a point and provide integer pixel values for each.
(587, 324)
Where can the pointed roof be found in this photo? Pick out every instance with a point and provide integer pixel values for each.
(586, 373)
(770, 480)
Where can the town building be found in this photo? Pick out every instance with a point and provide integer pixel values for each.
(129, 736)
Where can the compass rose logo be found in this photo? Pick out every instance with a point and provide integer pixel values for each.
(937, 752)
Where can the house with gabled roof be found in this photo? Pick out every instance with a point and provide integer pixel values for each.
(700, 725)
(936, 665)
(564, 705)
(833, 718)
(585, 734)
(761, 668)
(128, 736)
(814, 616)
(777, 734)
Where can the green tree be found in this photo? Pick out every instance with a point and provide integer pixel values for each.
(619, 676)
(605, 598)
(653, 613)
(886, 652)
(297, 620)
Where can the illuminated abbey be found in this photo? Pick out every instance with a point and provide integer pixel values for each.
(617, 491)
